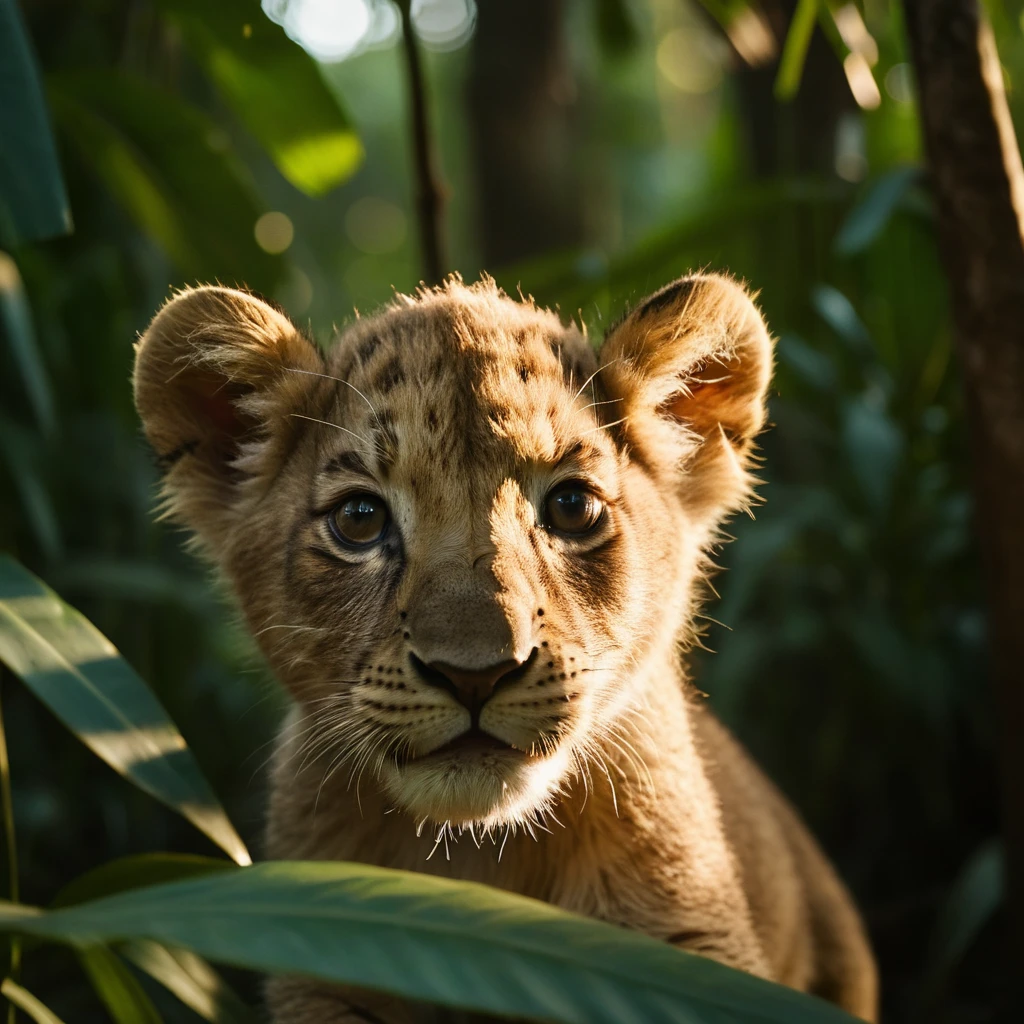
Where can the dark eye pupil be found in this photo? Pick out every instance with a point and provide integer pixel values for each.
(360, 509)
(359, 520)
(573, 510)
(574, 504)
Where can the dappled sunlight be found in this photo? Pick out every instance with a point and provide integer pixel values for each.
(332, 156)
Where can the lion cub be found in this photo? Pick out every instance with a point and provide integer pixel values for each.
(469, 547)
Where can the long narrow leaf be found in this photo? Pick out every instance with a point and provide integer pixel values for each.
(274, 87)
(33, 202)
(24, 1000)
(73, 669)
(974, 898)
(794, 52)
(186, 975)
(191, 979)
(454, 943)
(117, 987)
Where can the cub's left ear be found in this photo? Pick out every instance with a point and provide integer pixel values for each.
(688, 370)
(217, 375)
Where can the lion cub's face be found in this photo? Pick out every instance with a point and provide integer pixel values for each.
(461, 537)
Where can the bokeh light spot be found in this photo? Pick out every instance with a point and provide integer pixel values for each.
(296, 295)
(375, 226)
(274, 232)
(444, 24)
(687, 61)
(899, 83)
(329, 30)
(862, 82)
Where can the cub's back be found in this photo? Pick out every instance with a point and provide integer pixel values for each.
(801, 911)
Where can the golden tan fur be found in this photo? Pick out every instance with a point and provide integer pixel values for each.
(604, 785)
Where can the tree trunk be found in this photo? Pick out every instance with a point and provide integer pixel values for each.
(978, 184)
(522, 103)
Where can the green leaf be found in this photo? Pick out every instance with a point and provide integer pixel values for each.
(73, 669)
(867, 220)
(794, 52)
(33, 202)
(838, 312)
(171, 169)
(188, 976)
(274, 87)
(812, 365)
(191, 979)
(24, 1000)
(455, 943)
(21, 337)
(976, 895)
(117, 987)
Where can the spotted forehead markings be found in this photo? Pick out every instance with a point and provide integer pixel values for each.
(467, 363)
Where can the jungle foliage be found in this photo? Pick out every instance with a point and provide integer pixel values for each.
(850, 637)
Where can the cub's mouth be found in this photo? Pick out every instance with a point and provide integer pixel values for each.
(473, 742)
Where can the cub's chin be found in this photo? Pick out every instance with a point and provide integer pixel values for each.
(476, 781)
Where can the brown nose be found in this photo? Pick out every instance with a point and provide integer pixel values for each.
(472, 687)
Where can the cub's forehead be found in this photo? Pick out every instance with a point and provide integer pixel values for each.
(462, 375)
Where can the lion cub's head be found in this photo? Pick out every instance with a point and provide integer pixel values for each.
(464, 540)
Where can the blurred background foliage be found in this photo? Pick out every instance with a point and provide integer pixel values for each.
(589, 151)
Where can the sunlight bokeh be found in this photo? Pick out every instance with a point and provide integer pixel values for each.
(333, 30)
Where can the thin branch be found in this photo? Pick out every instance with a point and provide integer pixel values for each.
(429, 191)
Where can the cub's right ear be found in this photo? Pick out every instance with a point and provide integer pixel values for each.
(214, 386)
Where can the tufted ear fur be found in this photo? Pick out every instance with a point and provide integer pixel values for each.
(212, 384)
(689, 370)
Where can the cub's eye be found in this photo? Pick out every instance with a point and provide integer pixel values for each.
(359, 521)
(571, 508)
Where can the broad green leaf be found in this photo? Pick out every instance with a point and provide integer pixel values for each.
(868, 218)
(117, 987)
(274, 87)
(33, 203)
(171, 169)
(73, 669)
(191, 979)
(455, 943)
(794, 51)
(24, 1000)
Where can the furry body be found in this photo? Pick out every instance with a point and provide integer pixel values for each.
(487, 666)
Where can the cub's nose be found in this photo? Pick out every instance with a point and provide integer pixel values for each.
(472, 687)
